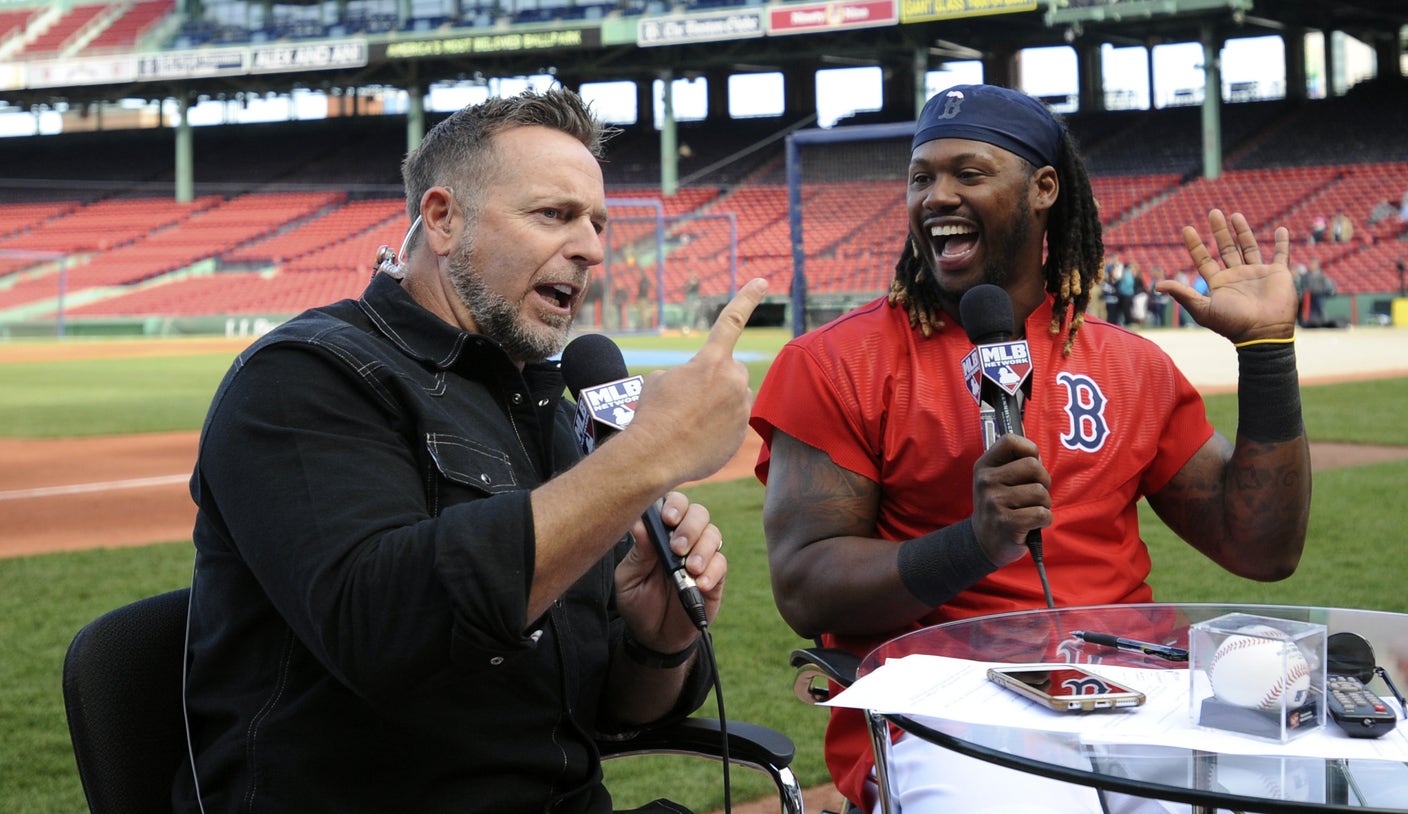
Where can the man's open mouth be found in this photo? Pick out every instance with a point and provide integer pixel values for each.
(562, 293)
(953, 240)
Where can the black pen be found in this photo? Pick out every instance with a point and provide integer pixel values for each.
(1148, 648)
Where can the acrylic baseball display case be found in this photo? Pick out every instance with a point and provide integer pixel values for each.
(1257, 675)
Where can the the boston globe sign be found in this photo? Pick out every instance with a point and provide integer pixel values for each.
(805, 18)
(679, 29)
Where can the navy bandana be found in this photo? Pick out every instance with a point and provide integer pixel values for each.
(994, 115)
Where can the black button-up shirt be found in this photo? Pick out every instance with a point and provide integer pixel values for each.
(364, 550)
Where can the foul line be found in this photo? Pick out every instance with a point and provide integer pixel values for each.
(103, 486)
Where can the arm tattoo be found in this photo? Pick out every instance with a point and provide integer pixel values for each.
(814, 498)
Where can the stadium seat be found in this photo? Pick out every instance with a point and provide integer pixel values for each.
(122, 694)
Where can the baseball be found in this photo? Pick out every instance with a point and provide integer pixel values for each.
(1266, 780)
(1247, 670)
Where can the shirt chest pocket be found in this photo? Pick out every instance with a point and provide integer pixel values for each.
(471, 465)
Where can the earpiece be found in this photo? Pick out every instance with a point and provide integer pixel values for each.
(394, 264)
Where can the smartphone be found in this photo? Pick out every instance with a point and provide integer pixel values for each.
(1065, 687)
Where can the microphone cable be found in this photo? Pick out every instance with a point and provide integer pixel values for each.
(723, 719)
(1034, 546)
(701, 622)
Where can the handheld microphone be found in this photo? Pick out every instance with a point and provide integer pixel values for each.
(996, 369)
(606, 397)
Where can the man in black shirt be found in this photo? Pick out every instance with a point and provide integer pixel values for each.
(409, 593)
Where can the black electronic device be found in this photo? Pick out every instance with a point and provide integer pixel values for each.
(1065, 687)
(1357, 710)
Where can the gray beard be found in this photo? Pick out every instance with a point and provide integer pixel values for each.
(498, 319)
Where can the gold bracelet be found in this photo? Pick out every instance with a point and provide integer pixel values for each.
(1288, 340)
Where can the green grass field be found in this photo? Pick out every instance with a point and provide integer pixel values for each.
(1355, 515)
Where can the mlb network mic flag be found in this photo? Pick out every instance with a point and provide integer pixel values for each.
(973, 375)
(605, 409)
(1007, 365)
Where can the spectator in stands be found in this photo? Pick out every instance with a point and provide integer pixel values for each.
(1097, 307)
(1341, 228)
(1179, 317)
(1318, 286)
(1195, 281)
(620, 304)
(1382, 211)
(1139, 296)
(1158, 300)
(884, 513)
(645, 305)
(409, 593)
(1319, 229)
(691, 302)
(1110, 290)
(1298, 272)
(594, 301)
(1126, 285)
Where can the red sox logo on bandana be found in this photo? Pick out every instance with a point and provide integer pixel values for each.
(953, 103)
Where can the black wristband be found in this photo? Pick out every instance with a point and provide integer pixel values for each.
(1268, 393)
(654, 659)
(944, 563)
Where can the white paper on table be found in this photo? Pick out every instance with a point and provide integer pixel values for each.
(959, 690)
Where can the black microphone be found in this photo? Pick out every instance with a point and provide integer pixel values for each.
(606, 397)
(996, 369)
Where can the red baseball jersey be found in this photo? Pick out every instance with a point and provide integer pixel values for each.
(1114, 420)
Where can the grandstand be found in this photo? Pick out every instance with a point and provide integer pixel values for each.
(274, 253)
(289, 215)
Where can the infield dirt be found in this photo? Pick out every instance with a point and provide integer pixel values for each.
(73, 493)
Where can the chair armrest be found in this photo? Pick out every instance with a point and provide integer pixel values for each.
(831, 663)
(749, 744)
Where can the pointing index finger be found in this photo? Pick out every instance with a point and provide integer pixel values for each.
(734, 316)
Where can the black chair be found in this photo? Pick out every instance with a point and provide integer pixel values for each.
(122, 693)
(831, 665)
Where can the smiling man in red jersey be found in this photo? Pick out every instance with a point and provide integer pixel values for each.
(886, 511)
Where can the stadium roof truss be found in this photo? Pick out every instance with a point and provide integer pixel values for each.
(1048, 23)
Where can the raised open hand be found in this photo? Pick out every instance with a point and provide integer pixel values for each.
(1247, 299)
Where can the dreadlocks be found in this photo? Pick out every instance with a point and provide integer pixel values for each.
(909, 291)
(1075, 256)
